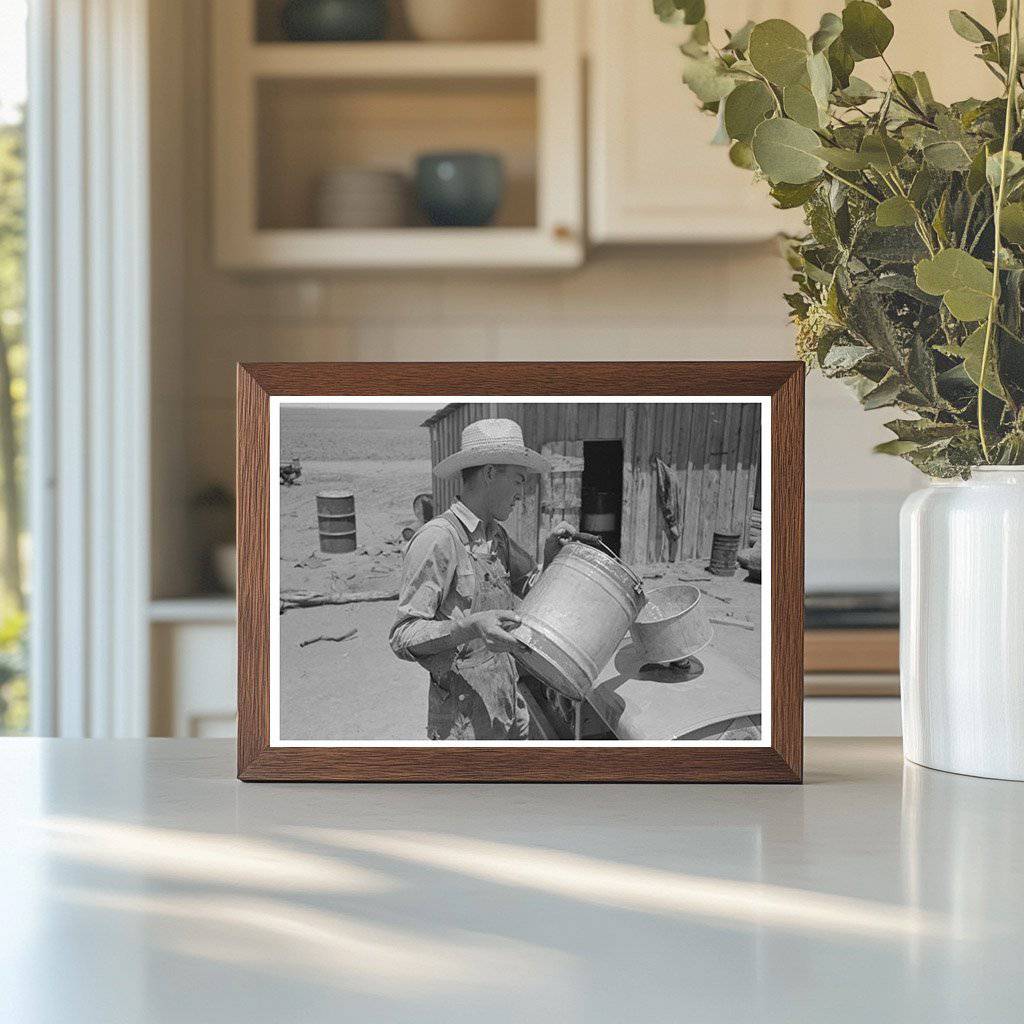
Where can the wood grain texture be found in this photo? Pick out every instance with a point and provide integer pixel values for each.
(781, 762)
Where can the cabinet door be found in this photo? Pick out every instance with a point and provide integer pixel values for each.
(654, 177)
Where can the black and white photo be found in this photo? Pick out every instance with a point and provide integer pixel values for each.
(500, 570)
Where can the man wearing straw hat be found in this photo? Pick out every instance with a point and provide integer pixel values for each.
(462, 580)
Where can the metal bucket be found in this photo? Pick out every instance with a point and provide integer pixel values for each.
(336, 512)
(672, 626)
(576, 616)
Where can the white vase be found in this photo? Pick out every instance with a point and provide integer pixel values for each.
(962, 624)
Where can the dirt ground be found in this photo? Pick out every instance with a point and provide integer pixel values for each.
(356, 688)
(384, 493)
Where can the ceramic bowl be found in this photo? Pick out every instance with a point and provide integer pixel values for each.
(470, 20)
(333, 21)
(460, 189)
(360, 197)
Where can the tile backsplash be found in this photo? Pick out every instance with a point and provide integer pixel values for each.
(708, 303)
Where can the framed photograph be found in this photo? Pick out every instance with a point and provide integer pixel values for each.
(565, 572)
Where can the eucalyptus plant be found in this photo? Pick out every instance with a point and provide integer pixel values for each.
(910, 278)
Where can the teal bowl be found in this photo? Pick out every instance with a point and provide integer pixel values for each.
(462, 190)
(334, 21)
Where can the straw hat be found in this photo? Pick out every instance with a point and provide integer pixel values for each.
(497, 442)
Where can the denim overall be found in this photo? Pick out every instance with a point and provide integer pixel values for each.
(476, 698)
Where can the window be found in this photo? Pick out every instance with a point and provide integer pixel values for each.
(14, 693)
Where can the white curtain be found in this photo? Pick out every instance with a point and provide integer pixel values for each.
(88, 385)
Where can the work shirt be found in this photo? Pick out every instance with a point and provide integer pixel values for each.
(439, 581)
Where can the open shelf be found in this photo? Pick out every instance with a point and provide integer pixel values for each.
(388, 60)
(285, 114)
(520, 23)
(309, 127)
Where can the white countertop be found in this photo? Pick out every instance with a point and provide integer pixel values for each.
(140, 882)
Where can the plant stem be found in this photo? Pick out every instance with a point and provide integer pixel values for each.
(1011, 107)
(980, 232)
(1012, 334)
(853, 185)
(907, 99)
(894, 183)
(768, 86)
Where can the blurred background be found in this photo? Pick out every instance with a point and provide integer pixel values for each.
(205, 183)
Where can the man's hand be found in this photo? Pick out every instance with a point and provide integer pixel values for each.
(559, 536)
(493, 627)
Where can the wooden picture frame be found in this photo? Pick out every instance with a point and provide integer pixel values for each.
(780, 759)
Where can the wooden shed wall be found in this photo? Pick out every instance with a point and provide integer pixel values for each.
(712, 451)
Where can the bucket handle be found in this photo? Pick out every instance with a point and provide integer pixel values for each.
(595, 541)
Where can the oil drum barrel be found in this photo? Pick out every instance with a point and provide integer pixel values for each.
(600, 512)
(723, 554)
(336, 514)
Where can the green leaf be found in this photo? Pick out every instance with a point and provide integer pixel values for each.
(883, 152)
(866, 29)
(666, 10)
(922, 185)
(739, 41)
(856, 92)
(693, 10)
(971, 352)
(895, 447)
(923, 431)
(689, 12)
(963, 281)
(947, 156)
(969, 28)
(745, 108)
(707, 78)
(829, 30)
(788, 196)
(867, 317)
(786, 151)
(741, 155)
(895, 212)
(921, 370)
(1011, 226)
(939, 220)
(843, 358)
(976, 173)
(779, 51)
(844, 159)
(721, 136)
(905, 84)
(924, 88)
(993, 166)
(885, 394)
(840, 61)
(999, 9)
(801, 106)
(701, 34)
(889, 245)
(819, 74)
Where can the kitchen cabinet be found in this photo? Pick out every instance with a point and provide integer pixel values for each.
(653, 175)
(287, 114)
